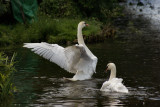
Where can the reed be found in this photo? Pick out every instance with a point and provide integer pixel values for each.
(6, 75)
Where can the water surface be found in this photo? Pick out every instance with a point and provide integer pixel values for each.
(136, 53)
(40, 83)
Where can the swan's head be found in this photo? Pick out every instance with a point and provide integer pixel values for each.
(82, 24)
(110, 66)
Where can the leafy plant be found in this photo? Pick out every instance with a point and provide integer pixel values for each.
(6, 73)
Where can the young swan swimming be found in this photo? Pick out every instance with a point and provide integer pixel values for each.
(113, 84)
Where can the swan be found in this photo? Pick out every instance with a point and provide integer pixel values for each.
(76, 59)
(113, 84)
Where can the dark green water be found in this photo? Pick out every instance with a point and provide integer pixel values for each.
(40, 83)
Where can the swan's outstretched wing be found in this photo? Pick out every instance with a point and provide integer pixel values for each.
(72, 58)
(52, 52)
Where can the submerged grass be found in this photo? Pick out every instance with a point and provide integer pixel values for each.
(46, 30)
(6, 73)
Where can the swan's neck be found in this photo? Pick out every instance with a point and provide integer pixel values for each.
(79, 36)
(113, 73)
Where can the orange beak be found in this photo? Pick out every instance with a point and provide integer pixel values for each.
(87, 24)
(107, 69)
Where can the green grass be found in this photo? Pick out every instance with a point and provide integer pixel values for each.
(46, 29)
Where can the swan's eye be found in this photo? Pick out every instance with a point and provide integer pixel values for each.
(107, 66)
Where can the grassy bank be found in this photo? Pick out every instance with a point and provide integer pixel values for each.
(46, 29)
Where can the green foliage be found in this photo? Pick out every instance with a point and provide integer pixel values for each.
(58, 21)
(46, 29)
(59, 8)
(100, 9)
(4, 8)
(5, 12)
(6, 73)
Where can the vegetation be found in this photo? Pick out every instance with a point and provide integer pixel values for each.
(6, 73)
(5, 12)
(4, 8)
(58, 19)
(46, 29)
(99, 9)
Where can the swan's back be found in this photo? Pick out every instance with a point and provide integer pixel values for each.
(114, 85)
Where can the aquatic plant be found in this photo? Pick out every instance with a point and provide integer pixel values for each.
(6, 74)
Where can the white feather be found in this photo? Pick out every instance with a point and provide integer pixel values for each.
(114, 85)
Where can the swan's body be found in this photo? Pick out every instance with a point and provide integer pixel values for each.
(113, 84)
(77, 59)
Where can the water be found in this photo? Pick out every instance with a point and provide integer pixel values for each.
(40, 83)
(150, 9)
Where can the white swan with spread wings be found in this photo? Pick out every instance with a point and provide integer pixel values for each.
(77, 59)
